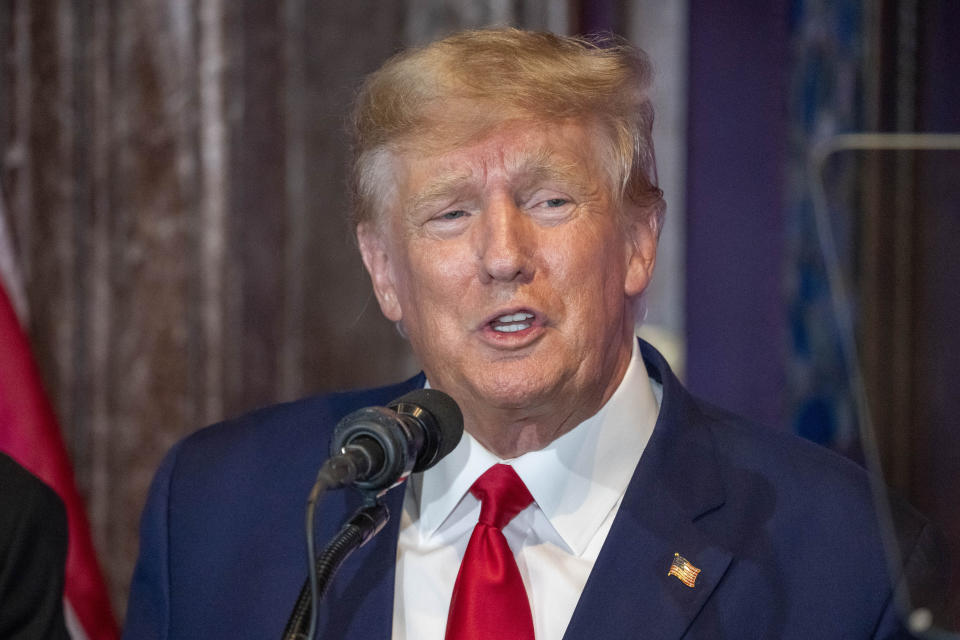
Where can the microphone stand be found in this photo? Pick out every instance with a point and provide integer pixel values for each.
(374, 449)
(365, 523)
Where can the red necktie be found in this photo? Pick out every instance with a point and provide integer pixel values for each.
(489, 600)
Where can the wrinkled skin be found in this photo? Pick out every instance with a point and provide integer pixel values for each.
(519, 226)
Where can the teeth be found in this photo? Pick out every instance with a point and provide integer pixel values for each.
(513, 322)
(510, 328)
(516, 317)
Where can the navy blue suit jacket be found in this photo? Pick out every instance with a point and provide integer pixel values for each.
(783, 531)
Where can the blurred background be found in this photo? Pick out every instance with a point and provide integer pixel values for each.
(173, 234)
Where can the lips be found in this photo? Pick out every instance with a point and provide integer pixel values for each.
(514, 327)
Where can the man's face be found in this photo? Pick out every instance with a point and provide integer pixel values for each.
(512, 272)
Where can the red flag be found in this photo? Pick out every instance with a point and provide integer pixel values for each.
(29, 433)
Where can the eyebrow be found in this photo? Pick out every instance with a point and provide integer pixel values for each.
(545, 166)
(440, 188)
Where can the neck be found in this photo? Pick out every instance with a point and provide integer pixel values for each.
(512, 436)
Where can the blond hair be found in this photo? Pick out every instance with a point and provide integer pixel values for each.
(461, 86)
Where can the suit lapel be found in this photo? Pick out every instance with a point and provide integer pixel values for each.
(629, 592)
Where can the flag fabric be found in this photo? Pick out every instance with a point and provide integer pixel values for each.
(29, 433)
(683, 570)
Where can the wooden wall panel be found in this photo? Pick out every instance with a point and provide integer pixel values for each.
(341, 308)
(152, 200)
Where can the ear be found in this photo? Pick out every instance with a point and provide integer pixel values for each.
(642, 235)
(376, 258)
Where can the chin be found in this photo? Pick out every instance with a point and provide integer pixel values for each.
(514, 390)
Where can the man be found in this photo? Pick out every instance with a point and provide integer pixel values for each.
(507, 213)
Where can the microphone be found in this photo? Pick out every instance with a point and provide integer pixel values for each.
(376, 448)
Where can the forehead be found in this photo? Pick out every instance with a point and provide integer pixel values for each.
(519, 152)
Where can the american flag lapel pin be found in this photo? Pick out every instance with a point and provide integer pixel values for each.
(683, 570)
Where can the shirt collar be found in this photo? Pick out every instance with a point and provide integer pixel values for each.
(576, 480)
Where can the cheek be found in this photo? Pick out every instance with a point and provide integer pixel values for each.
(435, 282)
(602, 282)
(595, 262)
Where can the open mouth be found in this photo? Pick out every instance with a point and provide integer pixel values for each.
(512, 322)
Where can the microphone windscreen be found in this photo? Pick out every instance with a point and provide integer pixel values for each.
(443, 412)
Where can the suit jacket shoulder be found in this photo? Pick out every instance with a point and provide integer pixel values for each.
(222, 551)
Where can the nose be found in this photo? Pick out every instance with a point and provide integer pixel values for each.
(505, 243)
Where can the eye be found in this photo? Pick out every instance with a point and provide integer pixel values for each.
(551, 206)
(548, 199)
(447, 223)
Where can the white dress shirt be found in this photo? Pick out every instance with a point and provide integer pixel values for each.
(577, 483)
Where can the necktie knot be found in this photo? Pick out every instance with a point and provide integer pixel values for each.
(502, 495)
